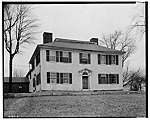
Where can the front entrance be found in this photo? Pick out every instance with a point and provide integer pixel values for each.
(85, 82)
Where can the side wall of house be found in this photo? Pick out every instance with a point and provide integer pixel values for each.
(74, 67)
(34, 73)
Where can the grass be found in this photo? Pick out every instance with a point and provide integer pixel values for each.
(106, 105)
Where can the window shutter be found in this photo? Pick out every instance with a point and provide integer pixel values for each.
(116, 59)
(61, 56)
(61, 78)
(99, 76)
(70, 57)
(99, 59)
(57, 56)
(80, 57)
(109, 59)
(117, 78)
(47, 55)
(70, 78)
(107, 77)
(48, 77)
(89, 59)
(57, 78)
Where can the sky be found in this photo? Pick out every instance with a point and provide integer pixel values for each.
(80, 22)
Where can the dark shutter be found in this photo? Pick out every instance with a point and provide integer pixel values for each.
(70, 57)
(117, 78)
(61, 78)
(61, 56)
(107, 77)
(33, 82)
(47, 55)
(99, 59)
(48, 77)
(89, 59)
(110, 79)
(70, 78)
(80, 57)
(116, 59)
(57, 78)
(57, 56)
(109, 59)
(99, 77)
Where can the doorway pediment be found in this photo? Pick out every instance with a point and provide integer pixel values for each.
(85, 71)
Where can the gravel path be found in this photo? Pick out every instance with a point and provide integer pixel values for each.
(132, 105)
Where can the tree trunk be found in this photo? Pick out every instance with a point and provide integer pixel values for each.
(10, 73)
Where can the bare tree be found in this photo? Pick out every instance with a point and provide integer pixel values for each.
(18, 73)
(139, 20)
(19, 29)
(134, 78)
(119, 41)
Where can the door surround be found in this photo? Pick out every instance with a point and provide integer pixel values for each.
(85, 77)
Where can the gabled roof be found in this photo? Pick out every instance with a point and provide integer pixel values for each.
(17, 80)
(66, 44)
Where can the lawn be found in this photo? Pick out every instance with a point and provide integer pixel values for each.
(106, 105)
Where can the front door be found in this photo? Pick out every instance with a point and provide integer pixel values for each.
(85, 82)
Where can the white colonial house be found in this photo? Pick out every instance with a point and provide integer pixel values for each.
(74, 65)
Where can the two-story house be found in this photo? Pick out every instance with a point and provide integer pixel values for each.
(74, 65)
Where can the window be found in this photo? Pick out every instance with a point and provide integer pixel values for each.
(38, 59)
(65, 57)
(65, 78)
(59, 78)
(52, 56)
(108, 59)
(113, 78)
(108, 78)
(113, 59)
(84, 58)
(53, 77)
(103, 59)
(102, 79)
(58, 56)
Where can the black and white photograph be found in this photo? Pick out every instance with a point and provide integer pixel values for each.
(75, 59)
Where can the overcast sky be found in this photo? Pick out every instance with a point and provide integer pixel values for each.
(80, 22)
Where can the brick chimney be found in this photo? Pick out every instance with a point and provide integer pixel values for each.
(47, 37)
(94, 40)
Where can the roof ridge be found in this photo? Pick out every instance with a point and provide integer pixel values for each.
(72, 41)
